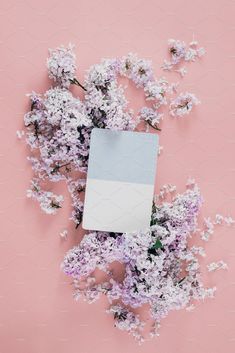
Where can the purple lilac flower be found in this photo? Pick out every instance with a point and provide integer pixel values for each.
(160, 268)
(154, 260)
(61, 65)
(126, 320)
(177, 50)
(151, 116)
(138, 70)
(183, 104)
(49, 202)
(179, 53)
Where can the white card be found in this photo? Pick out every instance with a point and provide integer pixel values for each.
(120, 181)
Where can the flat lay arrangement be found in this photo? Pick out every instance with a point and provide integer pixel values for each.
(153, 237)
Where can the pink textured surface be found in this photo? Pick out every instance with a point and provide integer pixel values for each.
(37, 311)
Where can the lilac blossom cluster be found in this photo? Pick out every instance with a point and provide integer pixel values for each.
(62, 65)
(59, 124)
(180, 53)
(126, 320)
(49, 202)
(161, 269)
(183, 104)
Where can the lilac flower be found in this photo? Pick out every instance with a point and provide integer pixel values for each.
(156, 91)
(219, 219)
(126, 320)
(153, 259)
(177, 50)
(105, 101)
(160, 268)
(160, 149)
(64, 234)
(20, 134)
(194, 52)
(127, 64)
(209, 229)
(60, 130)
(152, 117)
(182, 71)
(209, 225)
(219, 265)
(36, 100)
(61, 107)
(49, 202)
(138, 70)
(165, 190)
(61, 65)
(179, 53)
(183, 104)
(97, 249)
(142, 73)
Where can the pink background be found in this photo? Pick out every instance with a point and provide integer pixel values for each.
(37, 311)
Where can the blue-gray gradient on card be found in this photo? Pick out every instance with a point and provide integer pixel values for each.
(124, 156)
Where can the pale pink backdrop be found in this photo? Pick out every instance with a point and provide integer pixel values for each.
(37, 311)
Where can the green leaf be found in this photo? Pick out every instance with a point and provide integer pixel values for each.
(157, 245)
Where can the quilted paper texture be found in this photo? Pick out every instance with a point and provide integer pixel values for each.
(117, 206)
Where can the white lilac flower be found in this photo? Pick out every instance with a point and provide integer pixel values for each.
(205, 293)
(126, 320)
(209, 229)
(190, 308)
(61, 107)
(20, 134)
(155, 329)
(61, 65)
(194, 51)
(229, 221)
(142, 72)
(105, 100)
(160, 268)
(160, 149)
(179, 52)
(198, 250)
(219, 219)
(156, 91)
(151, 116)
(182, 71)
(35, 100)
(152, 259)
(49, 202)
(183, 104)
(59, 127)
(219, 265)
(167, 65)
(97, 249)
(138, 70)
(190, 182)
(173, 87)
(164, 191)
(127, 63)
(64, 234)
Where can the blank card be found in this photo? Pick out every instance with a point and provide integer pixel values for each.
(120, 180)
